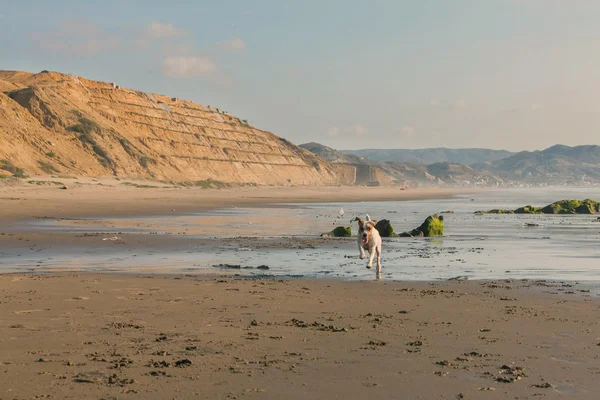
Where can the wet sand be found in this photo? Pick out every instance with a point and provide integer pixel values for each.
(151, 336)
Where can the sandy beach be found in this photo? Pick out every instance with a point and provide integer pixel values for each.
(151, 336)
(219, 335)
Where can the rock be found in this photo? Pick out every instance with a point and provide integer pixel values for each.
(340, 231)
(586, 206)
(64, 187)
(495, 211)
(433, 226)
(459, 278)
(183, 363)
(262, 267)
(527, 210)
(232, 266)
(447, 212)
(385, 228)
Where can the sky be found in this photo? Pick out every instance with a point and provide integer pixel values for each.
(350, 74)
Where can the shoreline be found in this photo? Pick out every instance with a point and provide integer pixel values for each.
(585, 288)
(107, 199)
(75, 335)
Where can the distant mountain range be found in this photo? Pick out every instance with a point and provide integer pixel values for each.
(433, 155)
(556, 165)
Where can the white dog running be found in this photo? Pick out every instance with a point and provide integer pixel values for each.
(369, 239)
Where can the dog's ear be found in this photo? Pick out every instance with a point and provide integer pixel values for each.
(374, 222)
(361, 223)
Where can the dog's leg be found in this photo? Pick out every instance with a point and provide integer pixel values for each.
(362, 251)
(371, 256)
(378, 250)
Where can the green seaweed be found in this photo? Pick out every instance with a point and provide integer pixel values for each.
(342, 231)
(431, 227)
(569, 206)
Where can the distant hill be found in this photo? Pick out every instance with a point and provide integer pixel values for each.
(556, 164)
(331, 155)
(412, 173)
(433, 155)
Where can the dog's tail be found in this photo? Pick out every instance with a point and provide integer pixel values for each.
(368, 217)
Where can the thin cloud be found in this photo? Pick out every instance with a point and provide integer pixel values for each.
(461, 103)
(408, 131)
(333, 131)
(233, 44)
(188, 67)
(76, 37)
(357, 130)
(159, 30)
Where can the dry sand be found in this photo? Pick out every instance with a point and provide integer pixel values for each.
(117, 336)
(86, 335)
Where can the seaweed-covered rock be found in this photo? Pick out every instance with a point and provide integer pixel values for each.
(340, 231)
(528, 210)
(433, 226)
(495, 211)
(587, 206)
(385, 228)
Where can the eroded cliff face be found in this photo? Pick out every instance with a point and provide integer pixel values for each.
(53, 123)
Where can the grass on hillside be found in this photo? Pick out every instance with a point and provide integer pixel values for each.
(17, 172)
(46, 183)
(47, 168)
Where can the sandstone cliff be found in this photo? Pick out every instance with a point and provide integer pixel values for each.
(53, 123)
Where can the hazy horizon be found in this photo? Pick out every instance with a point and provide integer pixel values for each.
(499, 74)
(452, 148)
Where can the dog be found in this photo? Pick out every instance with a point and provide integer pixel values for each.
(369, 239)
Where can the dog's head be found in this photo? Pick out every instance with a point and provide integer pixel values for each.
(365, 228)
(368, 231)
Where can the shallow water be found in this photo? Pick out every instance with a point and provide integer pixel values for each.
(285, 237)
